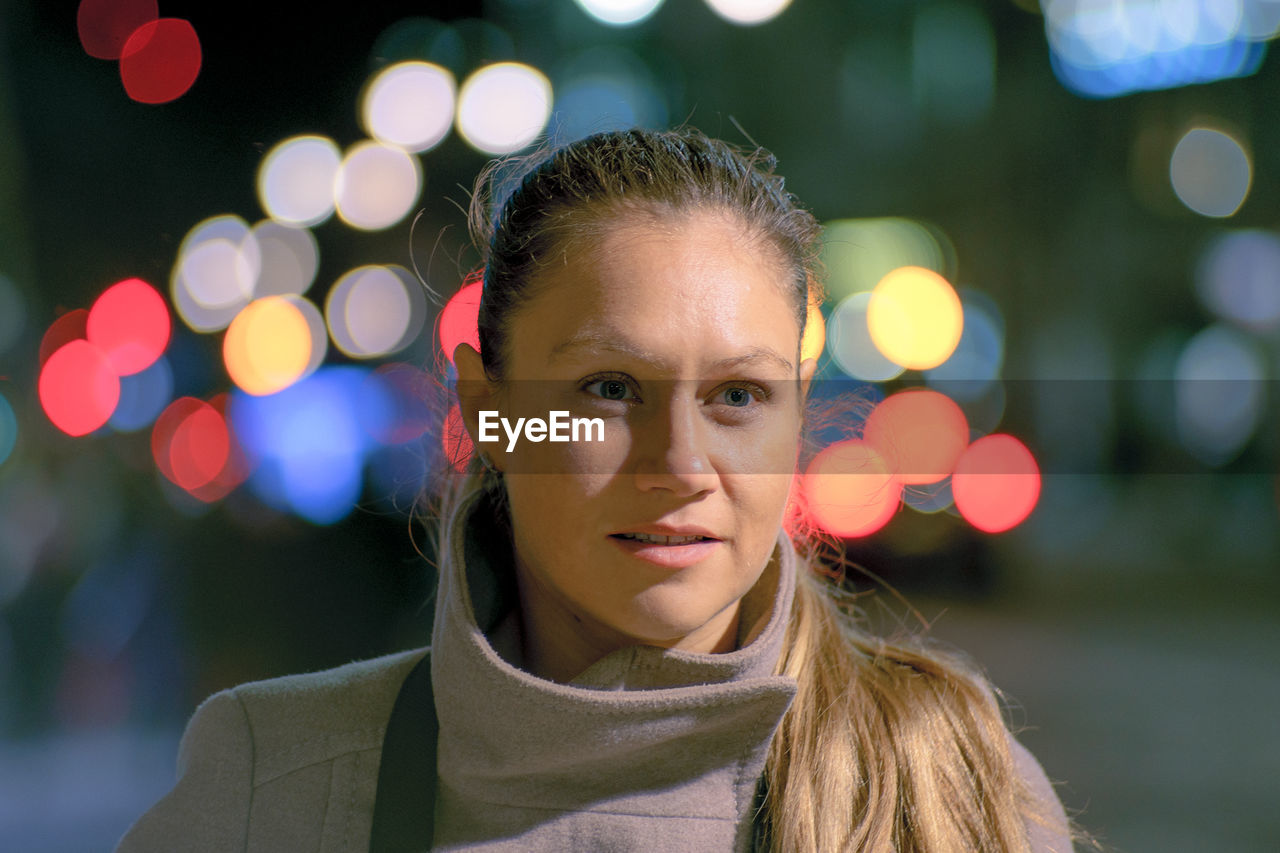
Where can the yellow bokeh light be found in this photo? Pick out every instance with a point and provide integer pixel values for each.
(857, 253)
(815, 333)
(914, 317)
(268, 346)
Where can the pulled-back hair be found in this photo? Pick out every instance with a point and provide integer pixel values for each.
(574, 193)
(888, 745)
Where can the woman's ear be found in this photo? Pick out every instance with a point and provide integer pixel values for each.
(476, 393)
(807, 369)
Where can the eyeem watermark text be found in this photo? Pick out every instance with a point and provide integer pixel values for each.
(558, 427)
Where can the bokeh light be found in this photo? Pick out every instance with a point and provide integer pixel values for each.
(375, 311)
(105, 25)
(456, 441)
(143, 396)
(78, 389)
(296, 179)
(13, 313)
(1219, 393)
(1101, 50)
(605, 88)
(619, 12)
(410, 105)
(8, 429)
(915, 318)
(130, 323)
(996, 483)
(307, 444)
(409, 392)
(268, 346)
(377, 185)
(858, 253)
(503, 107)
(918, 433)
(748, 11)
(160, 61)
(850, 344)
(62, 331)
(460, 319)
(849, 490)
(814, 340)
(288, 258)
(215, 272)
(199, 447)
(974, 366)
(1238, 278)
(1210, 172)
(317, 332)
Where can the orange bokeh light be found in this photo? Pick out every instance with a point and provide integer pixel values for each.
(996, 483)
(849, 490)
(919, 433)
(268, 346)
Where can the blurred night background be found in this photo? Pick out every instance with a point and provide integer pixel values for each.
(1097, 180)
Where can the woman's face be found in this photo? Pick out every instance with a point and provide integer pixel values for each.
(682, 338)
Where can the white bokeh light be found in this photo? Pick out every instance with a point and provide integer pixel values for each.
(410, 104)
(374, 311)
(748, 11)
(377, 185)
(215, 272)
(1210, 172)
(503, 107)
(289, 258)
(619, 12)
(295, 180)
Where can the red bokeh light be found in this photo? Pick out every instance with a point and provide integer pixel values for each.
(996, 483)
(78, 389)
(160, 61)
(459, 321)
(456, 441)
(920, 433)
(67, 328)
(235, 471)
(130, 323)
(105, 25)
(849, 490)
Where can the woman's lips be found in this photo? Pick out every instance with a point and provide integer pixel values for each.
(668, 556)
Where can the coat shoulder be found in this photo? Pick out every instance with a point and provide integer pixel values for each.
(299, 720)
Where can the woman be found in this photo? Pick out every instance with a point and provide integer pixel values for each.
(629, 651)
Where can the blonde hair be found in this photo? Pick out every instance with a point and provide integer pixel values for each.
(887, 745)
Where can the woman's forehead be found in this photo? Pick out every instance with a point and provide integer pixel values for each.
(704, 292)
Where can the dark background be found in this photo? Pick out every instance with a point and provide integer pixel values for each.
(1132, 618)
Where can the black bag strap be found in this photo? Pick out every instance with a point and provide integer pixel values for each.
(403, 809)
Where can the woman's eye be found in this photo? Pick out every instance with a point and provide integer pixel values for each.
(738, 397)
(611, 389)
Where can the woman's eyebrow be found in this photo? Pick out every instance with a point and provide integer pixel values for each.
(603, 342)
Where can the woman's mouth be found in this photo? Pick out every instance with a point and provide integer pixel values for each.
(670, 552)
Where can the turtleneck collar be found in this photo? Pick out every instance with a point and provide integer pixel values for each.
(641, 736)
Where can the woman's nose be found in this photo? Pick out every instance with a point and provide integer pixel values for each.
(673, 450)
